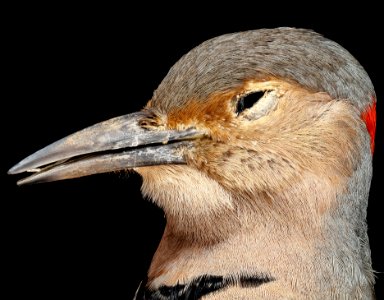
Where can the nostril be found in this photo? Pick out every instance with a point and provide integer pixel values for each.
(150, 121)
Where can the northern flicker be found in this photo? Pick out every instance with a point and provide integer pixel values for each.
(258, 147)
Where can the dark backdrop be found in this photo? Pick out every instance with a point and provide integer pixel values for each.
(69, 67)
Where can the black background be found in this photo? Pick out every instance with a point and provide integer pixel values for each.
(67, 67)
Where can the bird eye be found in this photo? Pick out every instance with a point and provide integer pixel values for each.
(247, 101)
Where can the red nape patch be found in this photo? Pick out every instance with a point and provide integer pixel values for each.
(369, 118)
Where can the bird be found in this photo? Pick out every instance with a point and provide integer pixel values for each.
(258, 147)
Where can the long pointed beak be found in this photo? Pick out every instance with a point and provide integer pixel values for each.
(113, 145)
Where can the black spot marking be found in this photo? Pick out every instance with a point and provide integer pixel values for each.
(199, 287)
(228, 153)
(253, 281)
(271, 163)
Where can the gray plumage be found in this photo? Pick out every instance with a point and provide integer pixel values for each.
(299, 55)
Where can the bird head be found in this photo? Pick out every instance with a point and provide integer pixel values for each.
(263, 115)
(270, 129)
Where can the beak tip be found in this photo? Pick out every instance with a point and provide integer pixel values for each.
(22, 182)
(13, 170)
(28, 180)
(22, 166)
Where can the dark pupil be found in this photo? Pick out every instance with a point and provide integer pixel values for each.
(248, 101)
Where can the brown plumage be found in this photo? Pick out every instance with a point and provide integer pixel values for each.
(266, 201)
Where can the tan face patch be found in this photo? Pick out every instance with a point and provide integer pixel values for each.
(303, 132)
(302, 139)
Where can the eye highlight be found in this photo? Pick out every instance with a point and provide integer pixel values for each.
(247, 101)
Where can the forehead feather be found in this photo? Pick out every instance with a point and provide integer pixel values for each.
(296, 55)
